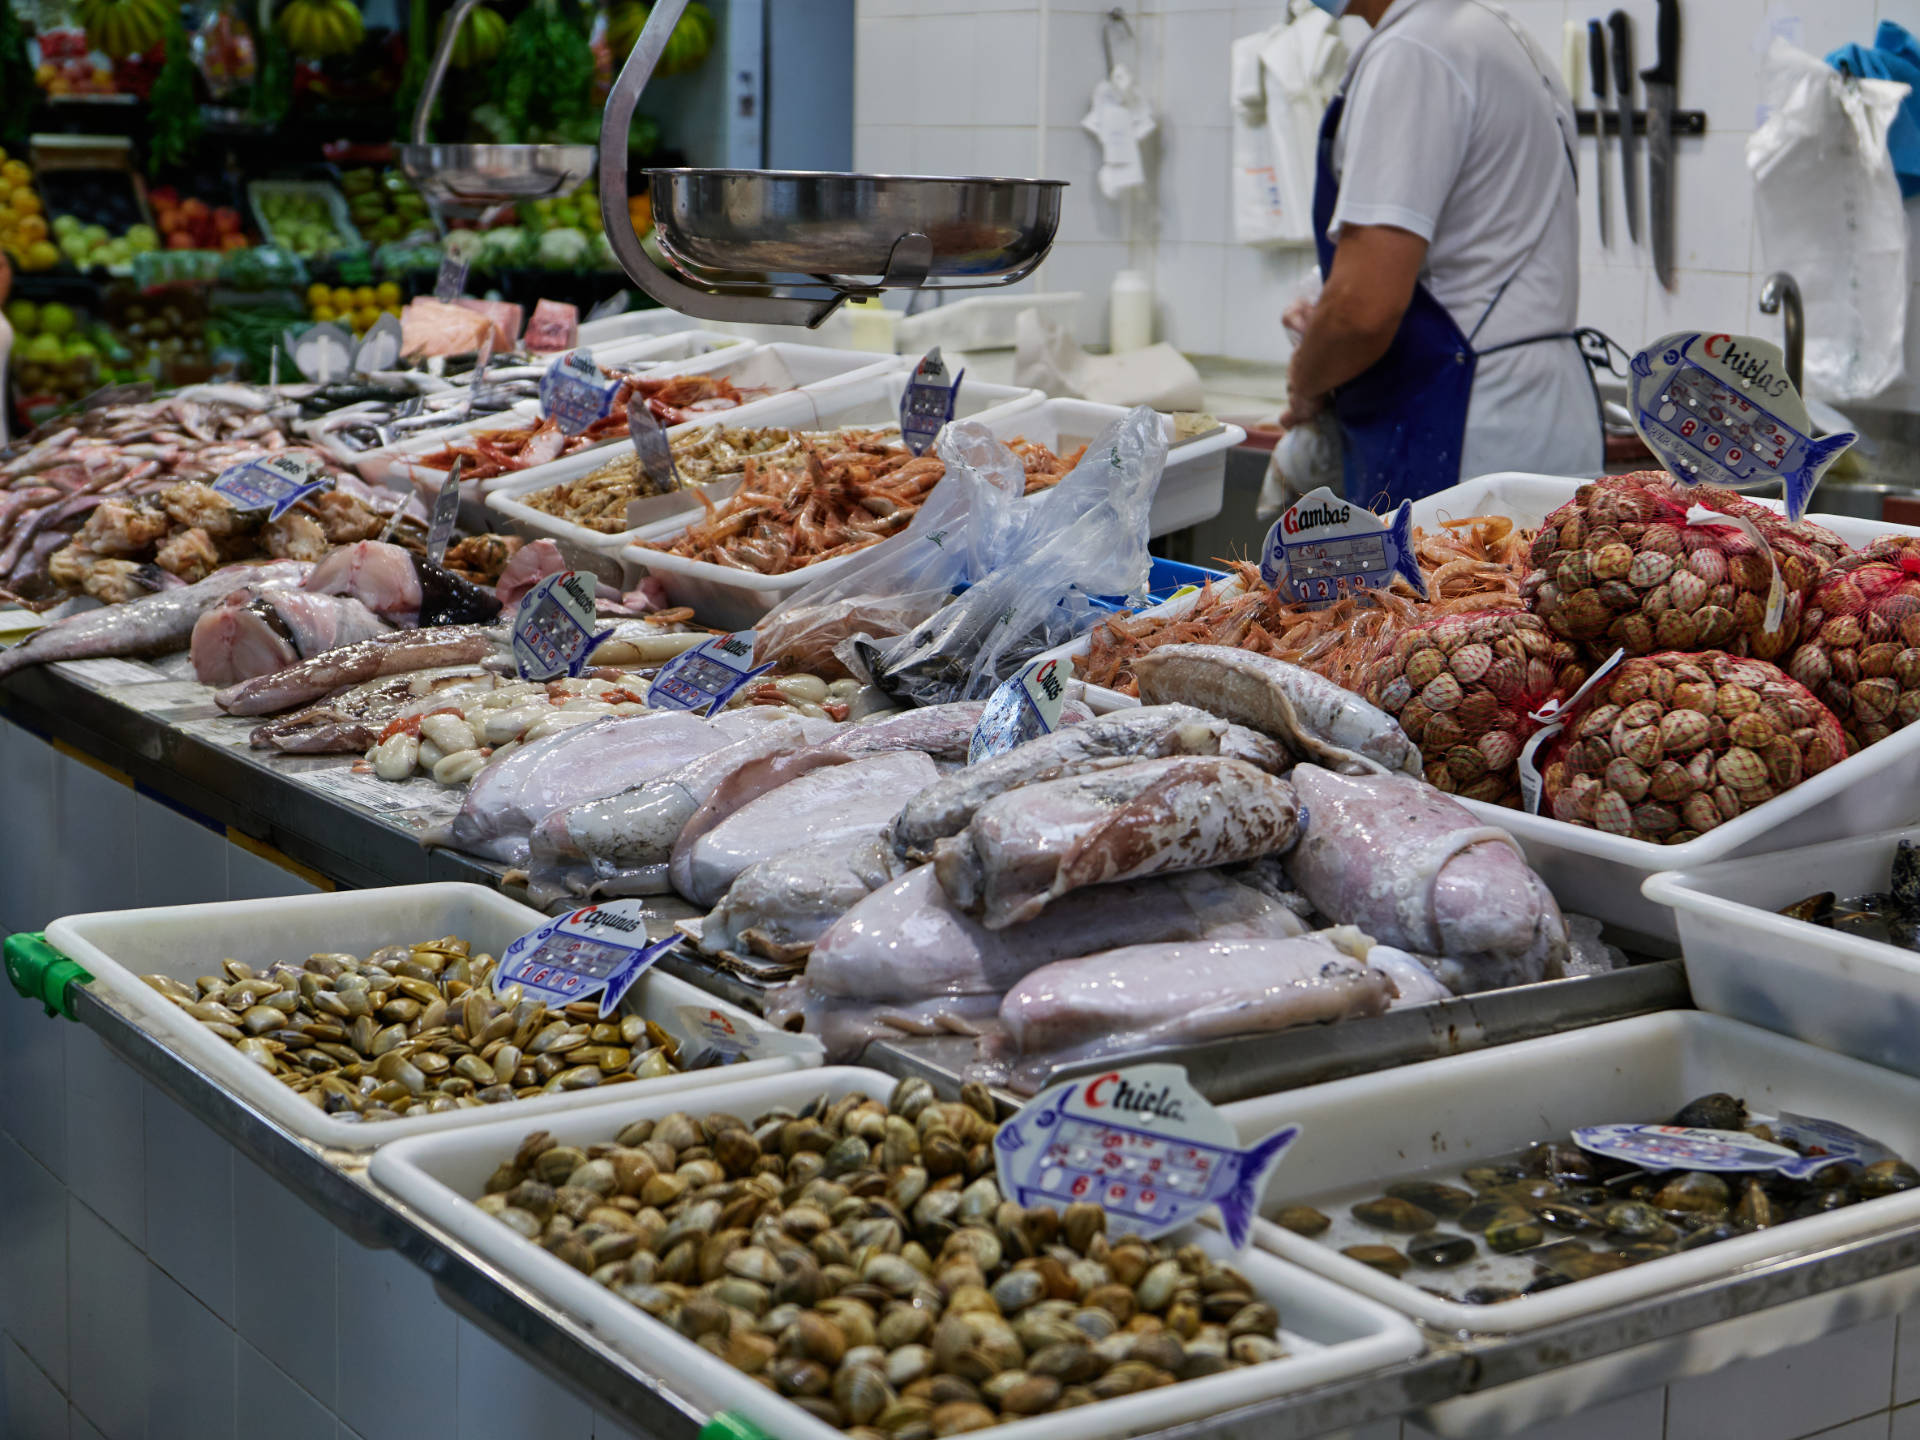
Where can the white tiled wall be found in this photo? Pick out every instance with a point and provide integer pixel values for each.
(1002, 86)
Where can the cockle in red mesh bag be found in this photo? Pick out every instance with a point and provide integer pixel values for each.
(1463, 688)
(1620, 567)
(1860, 640)
(1669, 746)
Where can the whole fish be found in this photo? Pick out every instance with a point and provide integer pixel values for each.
(776, 908)
(1417, 871)
(352, 720)
(387, 654)
(1149, 732)
(151, 625)
(1314, 716)
(1027, 848)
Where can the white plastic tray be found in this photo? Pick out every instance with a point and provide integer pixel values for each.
(1372, 1129)
(1842, 992)
(647, 352)
(864, 399)
(1331, 1334)
(982, 322)
(118, 947)
(336, 203)
(635, 324)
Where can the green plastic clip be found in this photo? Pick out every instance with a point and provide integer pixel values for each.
(732, 1425)
(40, 972)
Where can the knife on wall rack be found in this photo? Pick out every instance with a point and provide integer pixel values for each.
(1662, 79)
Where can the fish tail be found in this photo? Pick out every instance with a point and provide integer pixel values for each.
(1242, 1200)
(1820, 454)
(1402, 536)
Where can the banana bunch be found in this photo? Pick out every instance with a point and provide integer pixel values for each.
(687, 47)
(318, 28)
(126, 27)
(480, 39)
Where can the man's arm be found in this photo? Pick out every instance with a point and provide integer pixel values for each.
(1375, 268)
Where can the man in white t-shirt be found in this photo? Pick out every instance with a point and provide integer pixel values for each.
(1448, 229)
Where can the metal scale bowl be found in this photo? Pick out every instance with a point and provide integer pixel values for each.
(789, 247)
(473, 177)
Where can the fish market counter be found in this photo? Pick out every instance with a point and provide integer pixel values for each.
(122, 1154)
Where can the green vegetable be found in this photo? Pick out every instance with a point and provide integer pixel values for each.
(273, 81)
(176, 111)
(541, 87)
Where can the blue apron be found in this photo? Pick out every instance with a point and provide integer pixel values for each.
(1405, 419)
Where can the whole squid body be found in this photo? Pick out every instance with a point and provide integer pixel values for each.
(259, 632)
(837, 801)
(389, 654)
(1416, 871)
(1318, 719)
(152, 625)
(777, 908)
(1026, 848)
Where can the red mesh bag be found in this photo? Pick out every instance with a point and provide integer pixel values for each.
(1619, 567)
(1859, 645)
(1668, 746)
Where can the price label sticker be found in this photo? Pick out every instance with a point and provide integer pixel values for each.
(716, 1033)
(926, 405)
(651, 444)
(1021, 709)
(446, 511)
(451, 282)
(703, 679)
(275, 484)
(1325, 548)
(379, 348)
(1143, 1145)
(1680, 1147)
(574, 394)
(553, 630)
(600, 950)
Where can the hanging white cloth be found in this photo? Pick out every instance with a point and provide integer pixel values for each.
(1283, 79)
(1119, 119)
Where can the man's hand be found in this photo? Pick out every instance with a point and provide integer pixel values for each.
(1302, 410)
(1375, 269)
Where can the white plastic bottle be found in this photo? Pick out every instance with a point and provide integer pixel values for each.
(1129, 312)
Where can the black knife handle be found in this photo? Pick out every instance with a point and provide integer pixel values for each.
(1666, 66)
(1621, 24)
(1597, 59)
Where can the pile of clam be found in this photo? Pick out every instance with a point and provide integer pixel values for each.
(857, 1257)
(413, 1030)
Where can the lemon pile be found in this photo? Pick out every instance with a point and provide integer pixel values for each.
(23, 223)
(357, 307)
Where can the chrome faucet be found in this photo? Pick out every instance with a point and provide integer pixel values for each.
(1782, 289)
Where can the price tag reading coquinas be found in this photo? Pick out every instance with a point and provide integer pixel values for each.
(1021, 709)
(1324, 548)
(275, 484)
(600, 950)
(553, 630)
(1143, 1145)
(1720, 410)
(574, 394)
(927, 403)
(704, 678)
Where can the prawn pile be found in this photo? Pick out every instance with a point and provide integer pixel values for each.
(830, 502)
(1471, 564)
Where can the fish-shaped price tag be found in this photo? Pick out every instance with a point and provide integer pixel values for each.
(1324, 548)
(927, 403)
(1718, 409)
(650, 443)
(446, 510)
(322, 353)
(600, 950)
(703, 679)
(553, 630)
(1680, 1147)
(451, 282)
(714, 1032)
(1021, 709)
(1143, 1145)
(379, 348)
(274, 484)
(573, 392)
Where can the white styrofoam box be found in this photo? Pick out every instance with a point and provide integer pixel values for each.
(1329, 1333)
(1844, 992)
(652, 352)
(118, 947)
(635, 324)
(1454, 1112)
(981, 322)
(864, 399)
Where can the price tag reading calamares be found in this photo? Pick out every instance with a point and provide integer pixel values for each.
(1720, 410)
(1143, 1145)
(275, 485)
(716, 1032)
(600, 950)
(927, 403)
(1021, 709)
(553, 631)
(1324, 548)
(574, 394)
(704, 678)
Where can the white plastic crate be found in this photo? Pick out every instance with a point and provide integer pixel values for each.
(1373, 1129)
(636, 324)
(1330, 1334)
(183, 941)
(982, 322)
(648, 352)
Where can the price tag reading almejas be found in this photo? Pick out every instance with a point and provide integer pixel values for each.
(1143, 1145)
(600, 950)
(446, 510)
(574, 394)
(1324, 548)
(650, 443)
(553, 630)
(275, 484)
(452, 279)
(1720, 410)
(927, 403)
(704, 678)
(1021, 709)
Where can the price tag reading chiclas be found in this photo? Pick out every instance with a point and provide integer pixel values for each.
(574, 394)
(600, 950)
(1324, 548)
(275, 484)
(927, 403)
(1143, 1145)
(1021, 709)
(553, 631)
(704, 678)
